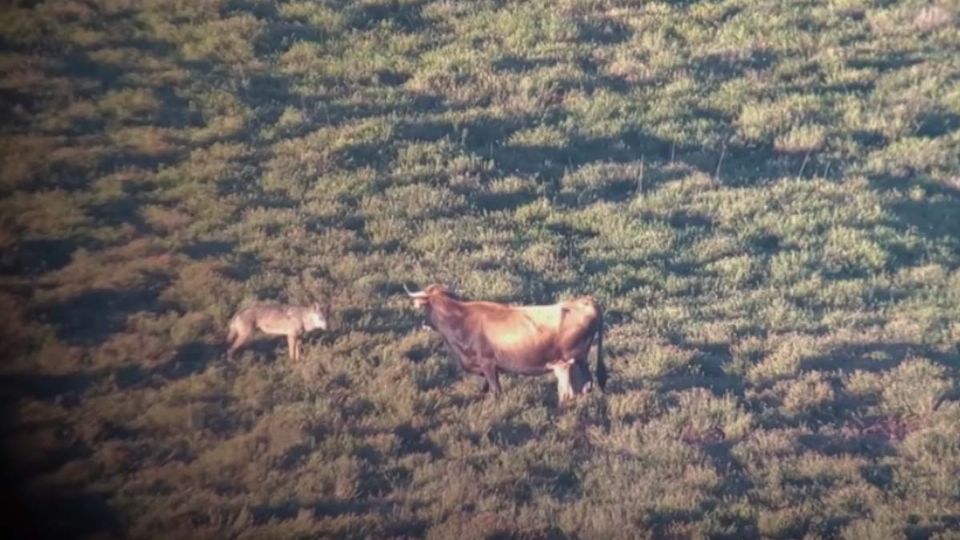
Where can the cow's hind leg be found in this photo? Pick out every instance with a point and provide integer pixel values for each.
(582, 379)
(564, 387)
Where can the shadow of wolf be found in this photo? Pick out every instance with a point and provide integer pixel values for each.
(277, 320)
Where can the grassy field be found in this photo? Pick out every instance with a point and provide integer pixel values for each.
(765, 196)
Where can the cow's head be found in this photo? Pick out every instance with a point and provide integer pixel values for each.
(422, 299)
(427, 299)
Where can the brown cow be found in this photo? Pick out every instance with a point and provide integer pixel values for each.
(488, 337)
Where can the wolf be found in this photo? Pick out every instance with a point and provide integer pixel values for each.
(277, 320)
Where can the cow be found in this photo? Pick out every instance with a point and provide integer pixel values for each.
(488, 338)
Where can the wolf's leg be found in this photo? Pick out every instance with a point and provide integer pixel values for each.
(292, 346)
(239, 341)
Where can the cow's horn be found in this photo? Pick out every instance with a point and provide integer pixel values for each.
(411, 294)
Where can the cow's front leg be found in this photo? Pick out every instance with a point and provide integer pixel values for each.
(564, 387)
(484, 385)
(491, 378)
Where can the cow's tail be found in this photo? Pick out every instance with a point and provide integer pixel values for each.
(601, 367)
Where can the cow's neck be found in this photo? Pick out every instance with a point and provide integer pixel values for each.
(447, 317)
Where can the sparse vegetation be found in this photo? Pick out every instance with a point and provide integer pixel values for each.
(764, 196)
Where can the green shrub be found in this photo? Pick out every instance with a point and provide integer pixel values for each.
(914, 388)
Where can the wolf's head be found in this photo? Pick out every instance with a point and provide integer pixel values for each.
(319, 315)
